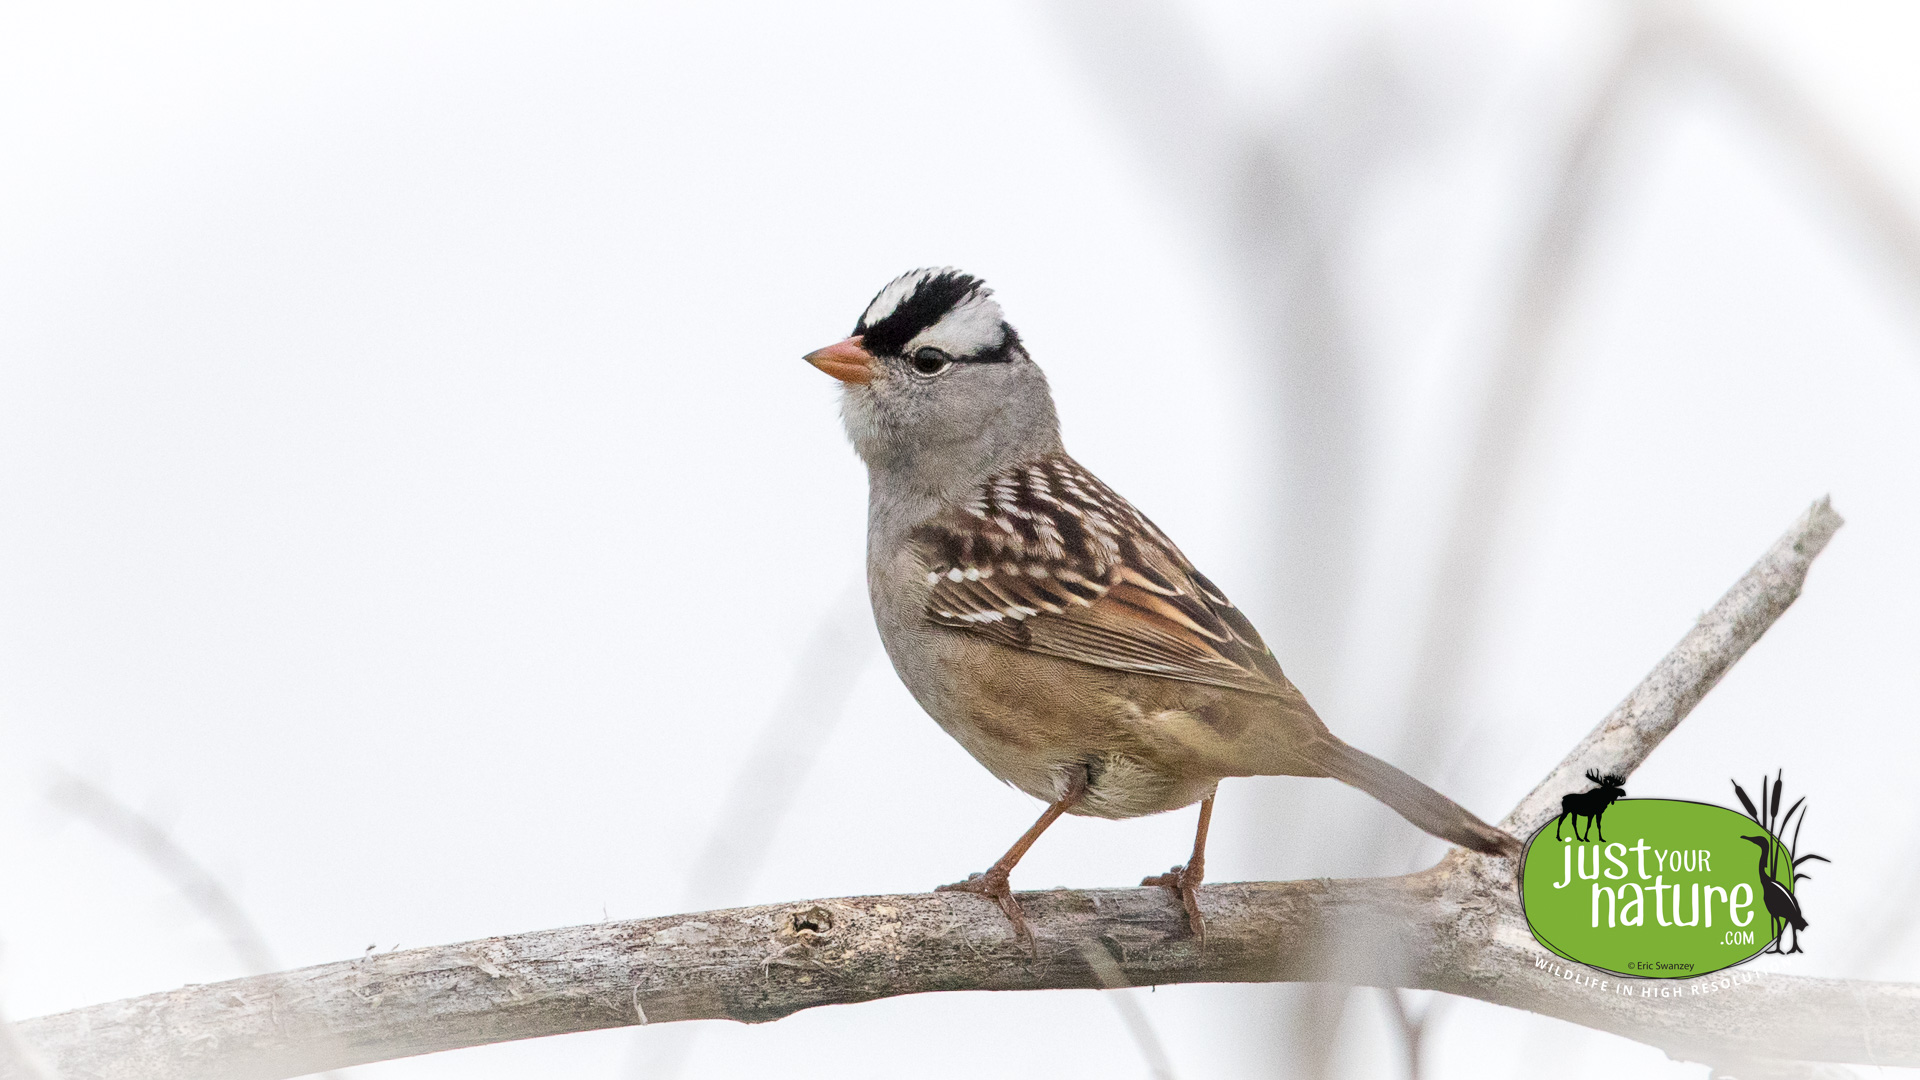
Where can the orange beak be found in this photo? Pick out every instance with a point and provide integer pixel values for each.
(844, 360)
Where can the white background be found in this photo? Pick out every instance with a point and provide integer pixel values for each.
(411, 495)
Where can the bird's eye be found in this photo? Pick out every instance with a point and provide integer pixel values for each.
(931, 361)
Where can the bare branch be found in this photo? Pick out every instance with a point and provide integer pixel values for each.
(1456, 928)
(753, 964)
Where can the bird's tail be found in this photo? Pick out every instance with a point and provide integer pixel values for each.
(1411, 799)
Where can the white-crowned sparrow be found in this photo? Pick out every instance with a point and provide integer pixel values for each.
(1045, 623)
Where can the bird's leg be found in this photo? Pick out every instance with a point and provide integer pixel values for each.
(993, 884)
(1185, 880)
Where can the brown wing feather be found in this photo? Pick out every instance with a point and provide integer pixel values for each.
(1047, 558)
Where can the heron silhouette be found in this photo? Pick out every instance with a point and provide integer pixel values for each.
(1781, 906)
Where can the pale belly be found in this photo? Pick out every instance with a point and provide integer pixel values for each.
(1037, 731)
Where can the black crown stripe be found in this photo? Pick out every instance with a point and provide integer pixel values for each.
(926, 305)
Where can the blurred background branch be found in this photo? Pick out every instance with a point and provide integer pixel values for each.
(1276, 196)
(1134, 1018)
(1860, 190)
(1285, 228)
(140, 835)
(1411, 1026)
(783, 755)
(763, 792)
(145, 838)
(18, 1059)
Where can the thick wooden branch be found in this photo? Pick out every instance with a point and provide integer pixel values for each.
(1455, 928)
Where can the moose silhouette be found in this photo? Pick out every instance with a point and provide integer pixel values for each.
(1590, 804)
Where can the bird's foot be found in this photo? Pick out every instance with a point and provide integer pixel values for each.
(1185, 883)
(993, 885)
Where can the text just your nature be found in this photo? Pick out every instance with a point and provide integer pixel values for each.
(1626, 903)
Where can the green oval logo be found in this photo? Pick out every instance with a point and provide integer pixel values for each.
(1671, 890)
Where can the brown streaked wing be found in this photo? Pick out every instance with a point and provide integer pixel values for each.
(1045, 557)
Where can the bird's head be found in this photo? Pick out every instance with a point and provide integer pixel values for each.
(938, 389)
(1762, 841)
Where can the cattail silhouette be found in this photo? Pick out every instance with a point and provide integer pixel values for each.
(1781, 903)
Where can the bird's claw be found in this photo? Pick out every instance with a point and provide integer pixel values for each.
(1185, 883)
(994, 886)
